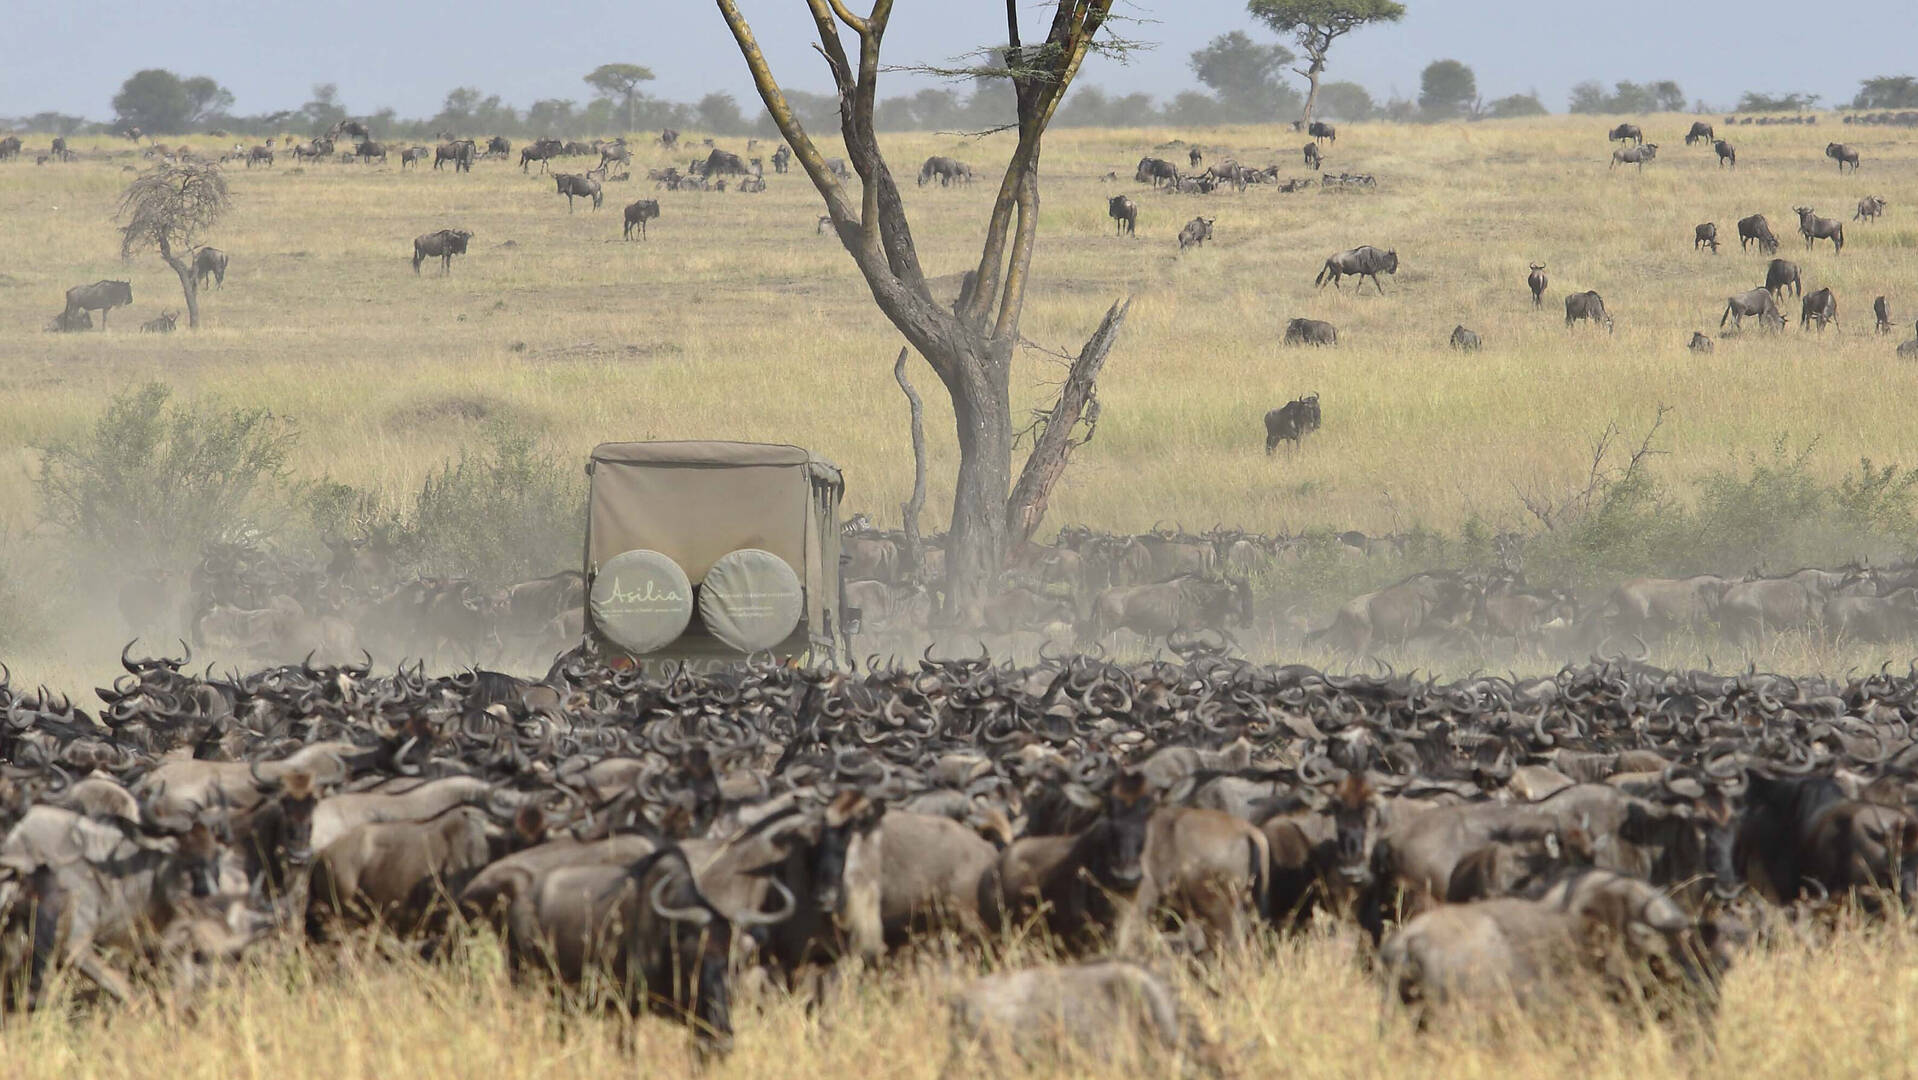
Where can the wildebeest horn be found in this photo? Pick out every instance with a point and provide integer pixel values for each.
(124, 661)
(696, 915)
(769, 918)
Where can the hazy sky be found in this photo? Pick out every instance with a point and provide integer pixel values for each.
(72, 56)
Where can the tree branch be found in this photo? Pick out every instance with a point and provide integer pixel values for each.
(909, 510)
(1078, 400)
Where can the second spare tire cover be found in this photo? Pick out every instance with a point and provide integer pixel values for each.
(641, 600)
(751, 599)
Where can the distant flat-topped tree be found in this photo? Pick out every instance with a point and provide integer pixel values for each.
(1316, 24)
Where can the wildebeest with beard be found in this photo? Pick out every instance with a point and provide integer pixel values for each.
(1820, 307)
(1626, 133)
(1757, 302)
(209, 262)
(639, 213)
(1292, 422)
(101, 296)
(1124, 214)
(1755, 229)
(442, 245)
(1843, 155)
(1700, 132)
(1363, 261)
(1814, 228)
(1587, 305)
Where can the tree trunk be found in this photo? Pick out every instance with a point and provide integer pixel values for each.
(1312, 93)
(1053, 445)
(909, 510)
(184, 271)
(976, 540)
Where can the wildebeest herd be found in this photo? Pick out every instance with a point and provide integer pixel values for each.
(1615, 829)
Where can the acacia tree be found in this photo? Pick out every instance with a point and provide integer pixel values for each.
(1316, 24)
(620, 81)
(970, 344)
(170, 207)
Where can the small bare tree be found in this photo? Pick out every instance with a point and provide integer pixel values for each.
(170, 207)
(970, 344)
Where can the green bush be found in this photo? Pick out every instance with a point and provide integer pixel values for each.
(507, 512)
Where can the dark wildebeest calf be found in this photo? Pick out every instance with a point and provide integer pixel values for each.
(1843, 155)
(1292, 422)
(1310, 332)
(1363, 262)
(1821, 306)
(639, 214)
(1882, 309)
(1814, 228)
(1197, 231)
(1727, 154)
(1705, 235)
(1699, 343)
(1757, 302)
(1124, 214)
(442, 245)
(1536, 281)
(1782, 273)
(1756, 228)
(1587, 305)
(1626, 133)
(101, 296)
(209, 262)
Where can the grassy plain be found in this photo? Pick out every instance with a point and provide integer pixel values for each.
(737, 320)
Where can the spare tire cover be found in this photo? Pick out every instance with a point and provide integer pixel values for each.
(641, 600)
(751, 599)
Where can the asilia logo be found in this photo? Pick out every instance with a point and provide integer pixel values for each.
(648, 593)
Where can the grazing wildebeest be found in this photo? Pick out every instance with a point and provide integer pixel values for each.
(1705, 235)
(1701, 131)
(1907, 350)
(163, 323)
(1197, 231)
(443, 244)
(945, 170)
(1869, 208)
(1699, 342)
(209, 262)
(575, 185)
(1757, 302)
(1636, 155)
(1124, 214)
(1881, 308)
(1292, 422)
(1727, 154)
(69, 321)
(459, 152)
(1756, 228)
(1156, 171)
(101, 296)
(639, 214)
(1782, 273)
(542, 151)
(725, 163)
(1843, 155)
(1587, 305)
(1814, 228)
(367, 150)
(1536, 281)
(498, 144)
(1312, 156)
(1310, 332)
(1464, 340)
(1626, 133)
(1822, 306)
(1364, 261)
(1320, 130)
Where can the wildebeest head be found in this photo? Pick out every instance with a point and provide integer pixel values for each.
(1354, 808)
(849, 815)
(1129, 804)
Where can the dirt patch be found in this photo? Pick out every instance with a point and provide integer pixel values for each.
(449, 409)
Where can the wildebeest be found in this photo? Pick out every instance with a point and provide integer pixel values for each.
(1727, 154)
(1803, 834)
(261, 154)
(1292, 421)
(1464, 340)
(1086, 885)
(1843, 155)
(163, 323)
(1907, 350)
(1197, 231)
(1654, 605)
(443, 244)
(1626, 133)
(1869, 208)
(9, 147)
(1318, 129)
(101, 296)
(1881, 308)
(1700, 132)
(459, 152)
(1635, 155)
(1422, 604)
(1699, 343)
(1536, 281)
(498, 144)
(1364, 261)
(945, 170)
(367, 150)
(1879, 619)
(1821, 306)
(209, 262)
(724, 163)
(1814, 228)
(1156, 171)
(1781, 273)
(782, 157)
(1187, 602)
(1124, 214)
(1757, 302)
(542, 151)
(639, 213)
(1310, 332)
(410, 155)
(1705, 235)
(668, 138)
(576, 185)
(1312, 156)
(66, 322)
(349, 127)
(1756, 229)
(1587, 305)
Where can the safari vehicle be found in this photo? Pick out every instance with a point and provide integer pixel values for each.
(707, 552)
